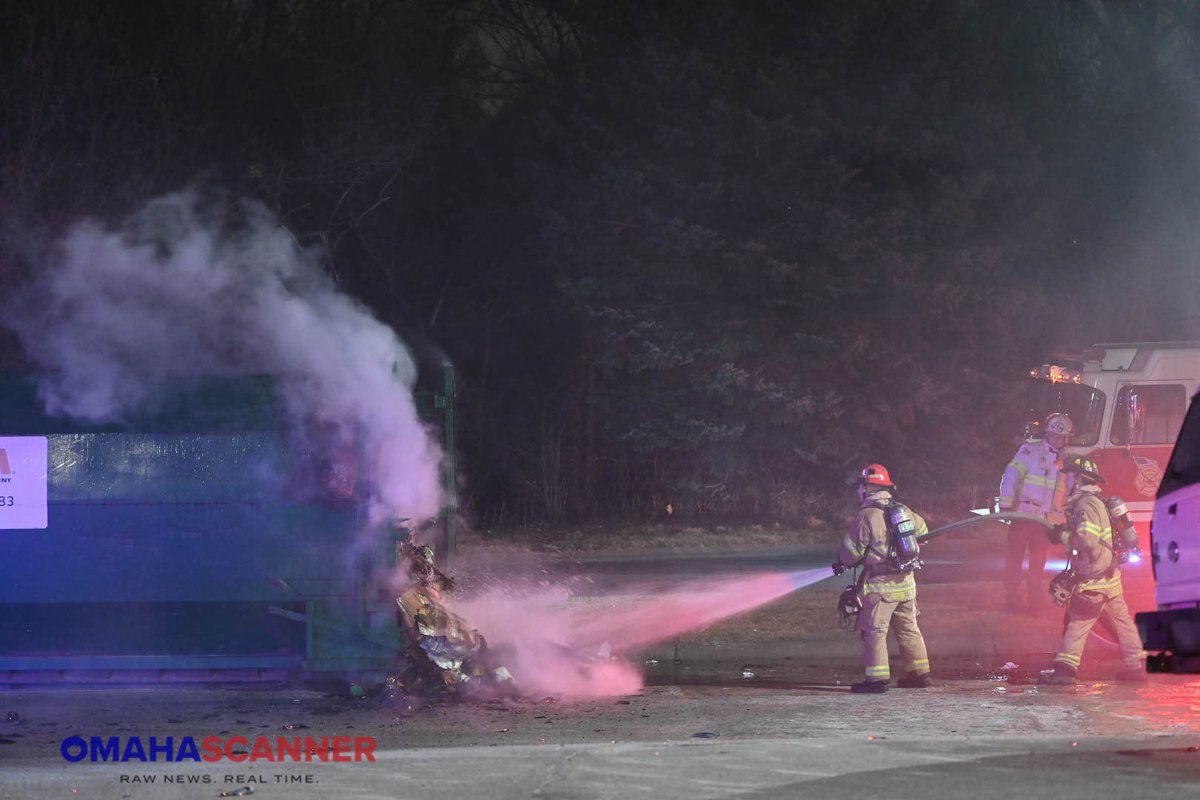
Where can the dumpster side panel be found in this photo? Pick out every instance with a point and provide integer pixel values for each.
(169, 547)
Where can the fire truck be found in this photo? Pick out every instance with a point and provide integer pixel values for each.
(1127, 402)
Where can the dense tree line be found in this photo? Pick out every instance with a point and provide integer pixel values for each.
(705, 254)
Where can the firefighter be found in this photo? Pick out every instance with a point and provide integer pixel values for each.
(1097, 592)
(889, 595)
(1029, 486)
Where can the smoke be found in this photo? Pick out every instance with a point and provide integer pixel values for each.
(193, 286)
(559, 645)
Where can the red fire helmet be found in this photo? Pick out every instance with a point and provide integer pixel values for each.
(876, 475)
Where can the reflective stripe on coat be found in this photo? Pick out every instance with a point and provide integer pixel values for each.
(1031, 481)
(1089, 535)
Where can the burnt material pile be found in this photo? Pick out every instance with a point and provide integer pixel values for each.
(445, 653)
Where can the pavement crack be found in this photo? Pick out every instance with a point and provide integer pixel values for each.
(553, 770)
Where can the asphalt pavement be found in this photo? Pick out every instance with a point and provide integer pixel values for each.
(959, 739)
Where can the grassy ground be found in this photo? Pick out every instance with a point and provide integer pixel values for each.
(648, 537)
(651, 537)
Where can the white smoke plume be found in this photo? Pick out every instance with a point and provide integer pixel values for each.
(193, 286)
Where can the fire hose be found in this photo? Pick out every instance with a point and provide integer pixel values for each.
(849, 604)
(1003, 516)
(1014, 516)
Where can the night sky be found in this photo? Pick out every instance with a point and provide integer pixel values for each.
(708, 254)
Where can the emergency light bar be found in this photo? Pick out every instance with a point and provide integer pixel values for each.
(1056, 374)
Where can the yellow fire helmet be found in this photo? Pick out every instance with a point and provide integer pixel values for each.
(1084, 466)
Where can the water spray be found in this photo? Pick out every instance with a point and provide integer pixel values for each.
(560, 648)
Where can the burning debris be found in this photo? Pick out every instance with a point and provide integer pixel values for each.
(445, 652)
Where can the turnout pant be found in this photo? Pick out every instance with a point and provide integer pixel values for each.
(1084, 609)
(877, 617)
(1022, 537)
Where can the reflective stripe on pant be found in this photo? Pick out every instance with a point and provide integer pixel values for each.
(1083, 611)
(1022, 537)
(877, 616)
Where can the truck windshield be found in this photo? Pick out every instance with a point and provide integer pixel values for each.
(1184, 467)
(1083, 404)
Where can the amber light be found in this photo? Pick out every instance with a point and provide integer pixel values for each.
(1056, 374)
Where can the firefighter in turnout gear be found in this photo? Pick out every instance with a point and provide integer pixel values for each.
(887, 585)
(1031, 486)
(1092, 582)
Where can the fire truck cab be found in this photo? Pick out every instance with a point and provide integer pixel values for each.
(1127, 402)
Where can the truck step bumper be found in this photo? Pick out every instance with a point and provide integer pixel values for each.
(1172, 639)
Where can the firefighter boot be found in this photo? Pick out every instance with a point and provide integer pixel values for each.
(915, 680)
(1063, 675)
(869, 687)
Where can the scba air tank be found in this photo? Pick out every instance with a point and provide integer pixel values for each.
(902, 527)
(1125, 537)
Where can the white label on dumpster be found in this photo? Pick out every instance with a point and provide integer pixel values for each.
(24, 478)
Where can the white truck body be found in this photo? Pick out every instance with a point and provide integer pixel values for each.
(1171, 634)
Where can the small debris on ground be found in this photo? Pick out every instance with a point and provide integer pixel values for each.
(705, 735)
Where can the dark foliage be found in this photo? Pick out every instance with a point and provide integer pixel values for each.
(705, 254)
